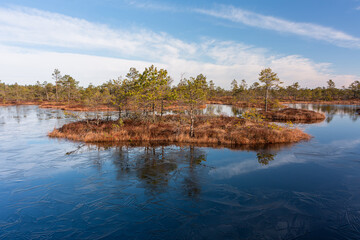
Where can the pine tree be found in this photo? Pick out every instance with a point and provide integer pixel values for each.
(270, 80)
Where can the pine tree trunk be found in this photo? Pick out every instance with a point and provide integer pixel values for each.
(162, 107)
(266, 100)
(191, 123)
(153, 110)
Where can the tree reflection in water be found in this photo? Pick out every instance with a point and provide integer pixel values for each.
(213, 109)
(237, 111)
(264, 158)
(154, 169)
(157, 169)
(156, 166)
(191, 180)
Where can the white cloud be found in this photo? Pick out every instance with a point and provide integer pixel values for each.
(309, 30)
(358, 8)
(31, 26)
(307, 72)
(70, 42)
(29, 66)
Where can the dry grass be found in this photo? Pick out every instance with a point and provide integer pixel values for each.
(15, 103)
(294, 115)
(168, 106)
(57, 105)
(226, 100)
(251, 103)
(229, 100)
(225, 131)
(75, 107)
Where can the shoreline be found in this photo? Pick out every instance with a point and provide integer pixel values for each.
(80, 107)
(76, 106)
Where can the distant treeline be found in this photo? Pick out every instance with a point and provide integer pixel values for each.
(153, 87)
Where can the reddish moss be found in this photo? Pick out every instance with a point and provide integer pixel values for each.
(294, 115)
(227, 131)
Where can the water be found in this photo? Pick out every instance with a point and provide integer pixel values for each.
(58, 189)
(219, 109)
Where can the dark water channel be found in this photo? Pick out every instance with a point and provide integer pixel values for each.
(58, 189)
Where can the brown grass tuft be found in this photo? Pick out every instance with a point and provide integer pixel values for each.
(294, 115)
(225, 131)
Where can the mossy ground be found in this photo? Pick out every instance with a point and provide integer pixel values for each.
(225, 131)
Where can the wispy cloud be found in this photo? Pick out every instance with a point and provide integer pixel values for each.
(309, 30)
(358, 8)
(31, 40)
(31, 26)
(151, 5)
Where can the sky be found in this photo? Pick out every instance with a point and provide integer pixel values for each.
(307, 41)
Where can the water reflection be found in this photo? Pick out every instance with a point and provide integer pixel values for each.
(264, 158)
(68, 190)
(155, 166)
(219, 109)
(237, 111)
(331, 110)
(152, 165)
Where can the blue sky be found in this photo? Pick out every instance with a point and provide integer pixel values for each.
(307, 41)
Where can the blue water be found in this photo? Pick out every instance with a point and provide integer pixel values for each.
(58, 189)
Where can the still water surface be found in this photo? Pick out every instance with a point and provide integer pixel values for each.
(58, 189)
